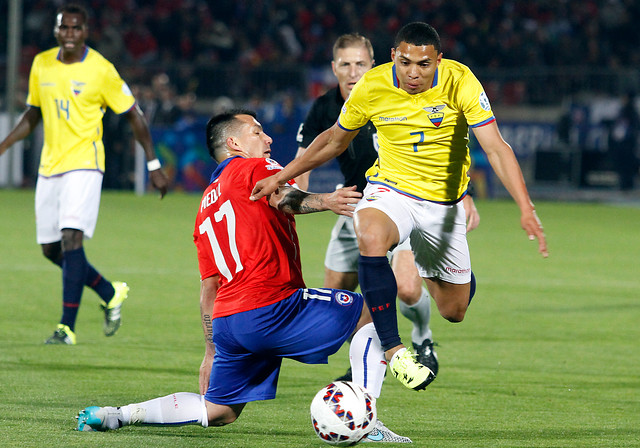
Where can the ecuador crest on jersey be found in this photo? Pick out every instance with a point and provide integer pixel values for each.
(435, 114)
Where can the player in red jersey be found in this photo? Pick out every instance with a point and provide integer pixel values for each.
(254, 304)
(229, 232)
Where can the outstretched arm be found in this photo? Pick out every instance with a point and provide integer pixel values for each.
(25, 126)
(504, 163)
(296, 202)
(326, 146)
(208, 291)
(303, 179)
(143, 136)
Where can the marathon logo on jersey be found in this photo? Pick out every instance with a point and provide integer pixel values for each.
(435, 114)
(343, 298)
(76, 87)
(392, 119)
(272, 164)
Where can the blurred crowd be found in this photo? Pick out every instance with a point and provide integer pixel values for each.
(492, 33)
(273, 55)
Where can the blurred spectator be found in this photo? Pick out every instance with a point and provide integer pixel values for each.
(281, 119)
(236, 47)
(530, 33)
(141, 44)
(109, 38)
(188, 115)
(166, 112)
(481, 34)
(221, 104)
(623, 142)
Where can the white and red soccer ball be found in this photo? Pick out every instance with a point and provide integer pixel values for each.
(343, 413)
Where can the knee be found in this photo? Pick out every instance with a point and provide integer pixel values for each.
(222, 420)
(53, 252)
(408, 294)
(453, 313)
(221, 415)
(71, 239)
(454, 317)
(375, 231)
(371, 244)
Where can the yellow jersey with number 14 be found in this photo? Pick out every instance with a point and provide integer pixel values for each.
(423, 138)
(73, 99)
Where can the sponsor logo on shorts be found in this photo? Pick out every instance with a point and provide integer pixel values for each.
(457, 271)
(343, 298)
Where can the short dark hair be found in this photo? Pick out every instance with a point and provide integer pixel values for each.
(419, 33)
(74, 8)
(218, 128)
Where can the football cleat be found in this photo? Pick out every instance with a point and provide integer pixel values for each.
(112, 318)
(426, 355)
(383, 434)
(406, 369)
(94, 418)
(88, 420)
(62, 335)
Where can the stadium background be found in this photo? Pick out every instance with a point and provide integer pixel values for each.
(547, 358)
(554, 72)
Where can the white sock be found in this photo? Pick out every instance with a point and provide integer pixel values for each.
(367, 360)
(420, 314)
(181, 408)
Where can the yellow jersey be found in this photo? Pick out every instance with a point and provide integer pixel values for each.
(423, 138)
(73, 99)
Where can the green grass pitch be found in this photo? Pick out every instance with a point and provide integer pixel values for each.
(548, 355)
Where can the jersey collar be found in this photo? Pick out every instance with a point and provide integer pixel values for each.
(220, 167)
(84, 55)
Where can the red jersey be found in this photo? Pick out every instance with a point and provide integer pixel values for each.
(251, 246)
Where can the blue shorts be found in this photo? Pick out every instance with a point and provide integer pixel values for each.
(308, 326)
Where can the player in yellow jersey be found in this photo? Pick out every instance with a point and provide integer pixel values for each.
(422, 106)
(70, 87)
(352, 58)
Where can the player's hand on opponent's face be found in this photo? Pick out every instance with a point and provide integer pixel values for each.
(532, 225)
(265, 187)
(159, 181)
(343, 201)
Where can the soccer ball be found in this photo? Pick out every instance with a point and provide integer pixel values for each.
(343, 413)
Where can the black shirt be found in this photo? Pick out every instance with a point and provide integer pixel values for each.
(360, 154)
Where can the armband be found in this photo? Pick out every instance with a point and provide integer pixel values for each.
(153, 165)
